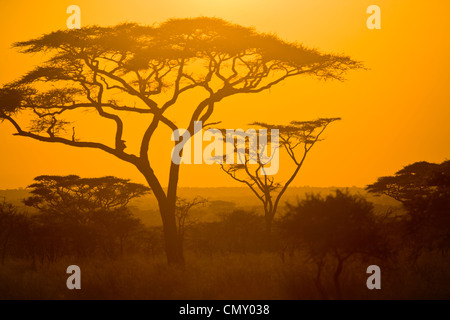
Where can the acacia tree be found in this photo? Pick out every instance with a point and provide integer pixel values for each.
(134, 69)
(183, 217)
(78, 215)
(423, 188)
(81, 198)
(297, 139)
(415, 182)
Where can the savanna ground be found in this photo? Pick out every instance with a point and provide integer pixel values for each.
(228, 254)
(218, 276)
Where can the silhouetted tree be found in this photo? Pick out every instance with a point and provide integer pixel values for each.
(297, 139)
(79, 199)
(334, 228)
(408, 184)
(184, 219)
(237, 231)
(424, 190)
(80, 214)
(143, 70)
(11, 221)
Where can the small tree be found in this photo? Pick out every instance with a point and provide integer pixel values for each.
(297, 139)
(79, 199)
(334, 229)
(83, 214)
(184, 219)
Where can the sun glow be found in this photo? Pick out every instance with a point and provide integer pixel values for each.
(382, 108)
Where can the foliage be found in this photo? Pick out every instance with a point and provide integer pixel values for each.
(80, 216)
(81, 197)
(424, 190)
(185, 221)
(237, 231)
(297, 139)
(337, 227)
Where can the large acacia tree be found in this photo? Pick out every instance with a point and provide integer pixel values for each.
(129, 68)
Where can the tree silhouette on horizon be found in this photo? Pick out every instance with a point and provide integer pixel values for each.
(334, 229)
(423, 188)
(80, 198)
(297, 139)
(101, 69)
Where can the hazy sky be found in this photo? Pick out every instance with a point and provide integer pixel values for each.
(394, 114)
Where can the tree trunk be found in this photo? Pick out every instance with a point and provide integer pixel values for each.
(5, 244)
(337, 273)
(167, 206)
(318, 282)
(174, 249)
(268, 231)
(268, 220)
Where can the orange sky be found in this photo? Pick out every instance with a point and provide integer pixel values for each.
(394, 114)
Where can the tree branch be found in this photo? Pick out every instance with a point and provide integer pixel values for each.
(79, 144)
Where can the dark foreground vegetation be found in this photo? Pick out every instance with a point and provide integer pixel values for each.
(319, 249)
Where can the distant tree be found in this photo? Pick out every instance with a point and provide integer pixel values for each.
(242, 231)
(297, 139)
(334, 229)
(143, 70)
(408, 184)
(236, 231)
(184, 218)
(11, 220)
(424, 190)
(79, 199)
(80, 215)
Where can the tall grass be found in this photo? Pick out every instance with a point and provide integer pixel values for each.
(220, 276)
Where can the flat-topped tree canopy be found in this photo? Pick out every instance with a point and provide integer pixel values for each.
(297, 138)
(55, 193)
(298, 132)
(87, 66)
(148, 59)
(177, 39)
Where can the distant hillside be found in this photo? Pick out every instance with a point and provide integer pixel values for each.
(221, 200)
(14, 196)
(245, 197)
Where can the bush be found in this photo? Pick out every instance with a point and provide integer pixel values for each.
(333, 230)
